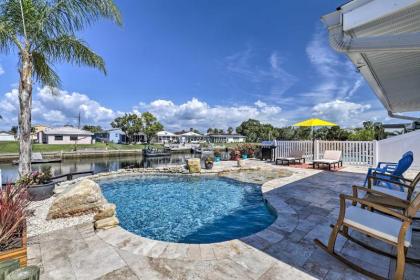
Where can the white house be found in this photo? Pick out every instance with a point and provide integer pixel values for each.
(226, 138)
(5, 136)
(191, 137)
(167, 137)
(65, 135)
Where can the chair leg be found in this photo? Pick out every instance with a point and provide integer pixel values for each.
(399, 271)
(333, 238)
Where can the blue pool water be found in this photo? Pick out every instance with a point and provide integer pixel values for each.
(188, 209)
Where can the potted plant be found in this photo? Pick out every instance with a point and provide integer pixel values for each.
(208, 163)
(38, 183)
(13, 203)
(217, 155)
(244, 152)
(235, 154)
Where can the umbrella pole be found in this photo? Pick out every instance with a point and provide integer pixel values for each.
(313, 144)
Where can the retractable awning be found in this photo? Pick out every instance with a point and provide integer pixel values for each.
(382, 39)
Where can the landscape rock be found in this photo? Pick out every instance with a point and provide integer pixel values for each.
(82, 198)
(194, 165)
(107, 223)
(106, 211)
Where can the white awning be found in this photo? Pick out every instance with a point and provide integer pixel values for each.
(382, 39)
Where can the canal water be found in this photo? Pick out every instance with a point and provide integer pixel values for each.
(9, 171)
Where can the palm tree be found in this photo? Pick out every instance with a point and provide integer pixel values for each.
(44, 33)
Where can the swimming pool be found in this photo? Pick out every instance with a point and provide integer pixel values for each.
(188, 209)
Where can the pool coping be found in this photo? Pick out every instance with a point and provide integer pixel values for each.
(124, 240)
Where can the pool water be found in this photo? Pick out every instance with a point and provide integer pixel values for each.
(188, 209)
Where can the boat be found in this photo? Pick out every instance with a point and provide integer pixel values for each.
(155, 152)
(37, 158)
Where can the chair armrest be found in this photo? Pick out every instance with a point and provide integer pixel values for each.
(367, 190)
(372, 178)
(395, 179)
(377, 207)
(391, 176)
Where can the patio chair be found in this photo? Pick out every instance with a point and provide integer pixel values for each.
(383, 224)
(392, 198)
(390, 168)
(331, 158)
(294, 156)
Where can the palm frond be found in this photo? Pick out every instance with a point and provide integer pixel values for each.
(5, 38)
(69, 16)
(68, 48)
(43, 72)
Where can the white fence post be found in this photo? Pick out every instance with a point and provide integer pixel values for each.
(375, 153)
(316, 149)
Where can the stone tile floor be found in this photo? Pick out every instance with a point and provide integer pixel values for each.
(307, 203)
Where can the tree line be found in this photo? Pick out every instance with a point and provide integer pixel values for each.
(255, 132)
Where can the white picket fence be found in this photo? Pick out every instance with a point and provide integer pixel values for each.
(353, 152)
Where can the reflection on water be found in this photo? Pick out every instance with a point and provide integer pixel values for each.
(9, 171)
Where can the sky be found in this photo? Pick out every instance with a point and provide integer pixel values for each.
(205, 63)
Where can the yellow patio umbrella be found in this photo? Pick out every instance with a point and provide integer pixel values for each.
(313, 123)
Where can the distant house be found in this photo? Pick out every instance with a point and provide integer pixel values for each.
(165, 137)
(117, 136)
(37, 129)
(6, 136)
(111, 135)
(65, 135)
(191, 137)
(226, 138)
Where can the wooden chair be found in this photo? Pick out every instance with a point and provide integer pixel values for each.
(331, 158)
(398, 200)
(390, 198)
(294, 156)
(383, 224)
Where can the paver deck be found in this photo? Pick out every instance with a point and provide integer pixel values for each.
(306, 203)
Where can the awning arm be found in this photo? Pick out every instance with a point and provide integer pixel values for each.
(406, 42)
(392, 115)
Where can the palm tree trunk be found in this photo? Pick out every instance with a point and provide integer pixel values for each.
(25, 106)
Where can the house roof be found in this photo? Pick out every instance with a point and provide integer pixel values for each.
(191, 133)
(384, 46)
(166, 133)
(66, 130)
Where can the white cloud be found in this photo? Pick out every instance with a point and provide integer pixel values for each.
(200, 115)
(268, 79)
(336, 76)
(342, 112)
(56, 107)
(59, 107)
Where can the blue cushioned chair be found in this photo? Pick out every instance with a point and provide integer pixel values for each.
(384, 169)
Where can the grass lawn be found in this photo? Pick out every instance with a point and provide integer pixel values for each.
(13, 147)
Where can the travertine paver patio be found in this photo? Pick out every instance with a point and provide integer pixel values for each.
(306, 203)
